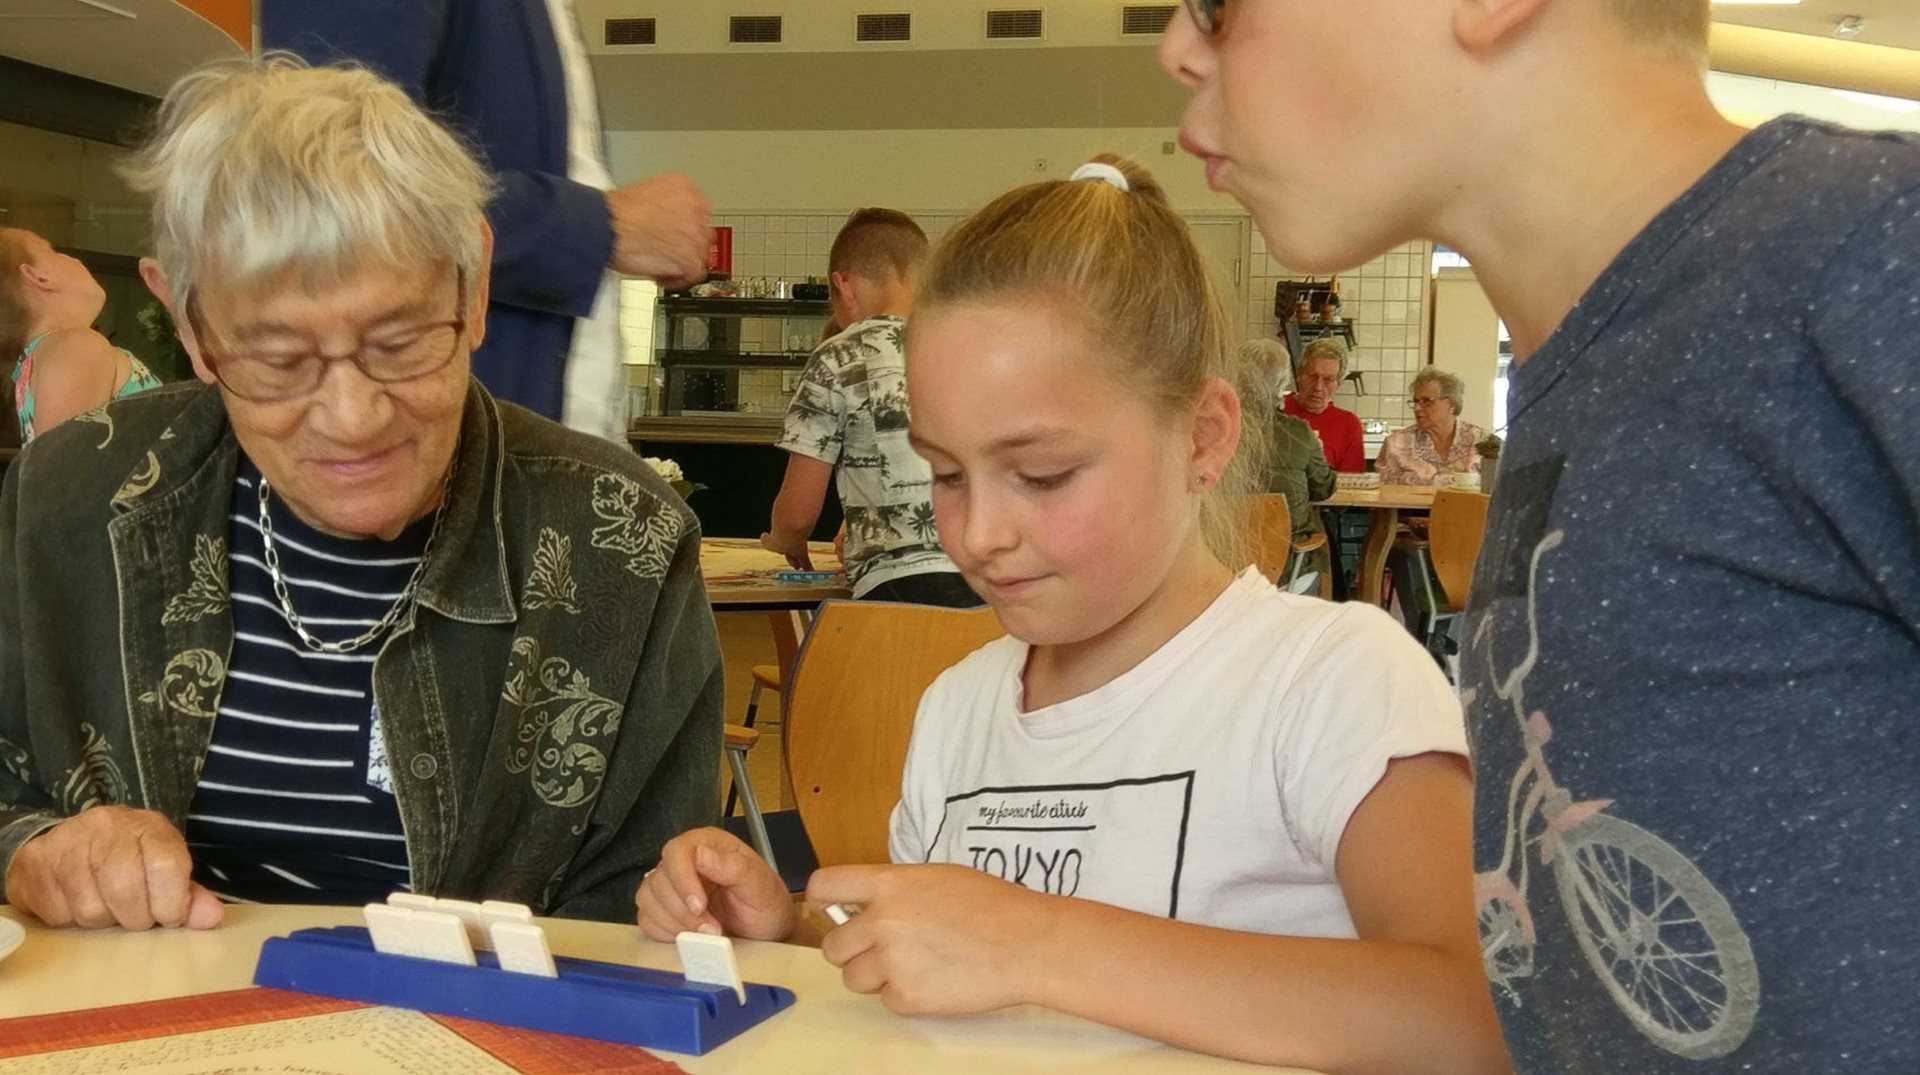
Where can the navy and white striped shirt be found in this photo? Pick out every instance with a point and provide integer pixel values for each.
(295, 804)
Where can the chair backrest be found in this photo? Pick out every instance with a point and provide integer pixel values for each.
(1454, 530)
(849, 713)
(1273, 534)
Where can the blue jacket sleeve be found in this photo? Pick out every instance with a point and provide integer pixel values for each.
(552, 236)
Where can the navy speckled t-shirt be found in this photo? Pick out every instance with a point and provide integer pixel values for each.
(1692, 668)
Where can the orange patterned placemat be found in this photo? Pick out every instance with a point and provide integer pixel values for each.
(528, 1052)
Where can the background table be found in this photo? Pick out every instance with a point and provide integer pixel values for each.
(740, 577)
(828, 1030)
(1384, 505)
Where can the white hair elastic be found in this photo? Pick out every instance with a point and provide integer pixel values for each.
(1105, 173)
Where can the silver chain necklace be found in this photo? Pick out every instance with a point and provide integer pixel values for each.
(400, 604)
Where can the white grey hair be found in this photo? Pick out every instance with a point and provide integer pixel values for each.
(260, 167)
(1323, 347)
(1451, 386)
(1263, 373)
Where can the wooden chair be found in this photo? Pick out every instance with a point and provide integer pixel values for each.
(1454, 530)
(850, 709)
(787, 627)
(1273, 535)
(1314, 552)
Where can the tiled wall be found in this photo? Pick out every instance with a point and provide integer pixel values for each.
(1386, 298)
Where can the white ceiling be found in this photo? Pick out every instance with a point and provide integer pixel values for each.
(1895, 23)
(142, 45)
(139, 45)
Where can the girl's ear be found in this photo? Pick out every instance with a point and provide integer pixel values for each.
(1216, 431)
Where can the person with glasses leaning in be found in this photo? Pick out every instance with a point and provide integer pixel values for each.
(1438, 442)
(335, 622)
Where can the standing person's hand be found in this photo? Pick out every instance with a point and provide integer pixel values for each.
(708, 881)
(111, 865)
(799, 557)
(661, 230)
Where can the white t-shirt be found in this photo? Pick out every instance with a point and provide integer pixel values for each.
(594, 399)
(1210, 784)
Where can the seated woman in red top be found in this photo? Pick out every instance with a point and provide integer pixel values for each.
(1316, 376)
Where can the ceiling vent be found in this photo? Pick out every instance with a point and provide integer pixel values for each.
(753, 29)
(1145, 20)
(889, 27)
(1028, 24)
(632, 32)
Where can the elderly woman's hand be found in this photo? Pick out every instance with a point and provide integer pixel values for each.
(708, 881)
(111, 865)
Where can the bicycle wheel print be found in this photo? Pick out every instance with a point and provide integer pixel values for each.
(1505, 949)
(1661, 938)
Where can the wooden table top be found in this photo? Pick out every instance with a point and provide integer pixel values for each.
(741, 576)
(829, 1030)
(1386, 496)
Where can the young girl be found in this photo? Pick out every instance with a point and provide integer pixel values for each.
(1174, 799)
(62, 367)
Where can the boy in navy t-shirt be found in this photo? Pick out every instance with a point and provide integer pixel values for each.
(1692, 654)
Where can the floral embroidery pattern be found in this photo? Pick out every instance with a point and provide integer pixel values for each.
(562, 729)
(98, 416)
(96, 780)
(647, 543)
(551, 584)
(191, 683)
(207, 595)
(140, 480)
(15, 761)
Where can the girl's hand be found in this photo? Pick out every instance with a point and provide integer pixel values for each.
(933, 939)
(709, 882)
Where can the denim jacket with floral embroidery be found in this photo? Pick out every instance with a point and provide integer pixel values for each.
(552, 703)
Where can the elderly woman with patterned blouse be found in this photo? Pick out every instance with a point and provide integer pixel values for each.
(334, 621)
(1437, 442)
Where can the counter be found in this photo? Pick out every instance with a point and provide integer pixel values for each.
(735, 458)
(688, 429)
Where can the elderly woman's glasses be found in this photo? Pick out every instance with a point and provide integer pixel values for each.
(393, 357)
(1206, 14)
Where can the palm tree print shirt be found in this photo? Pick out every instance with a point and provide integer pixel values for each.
(851, 411)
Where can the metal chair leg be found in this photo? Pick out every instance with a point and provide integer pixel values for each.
(753, 710)
(756, 822)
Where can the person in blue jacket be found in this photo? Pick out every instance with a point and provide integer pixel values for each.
(512, 77)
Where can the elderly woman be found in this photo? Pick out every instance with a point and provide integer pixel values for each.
(334, 622)
(1295, 463)
(1437, 442)
(62, 367)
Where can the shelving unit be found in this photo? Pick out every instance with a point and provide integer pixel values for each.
(729, 366)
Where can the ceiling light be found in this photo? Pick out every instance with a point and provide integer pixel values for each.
(1849, 26)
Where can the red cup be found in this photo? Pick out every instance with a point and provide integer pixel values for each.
(720, 252)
